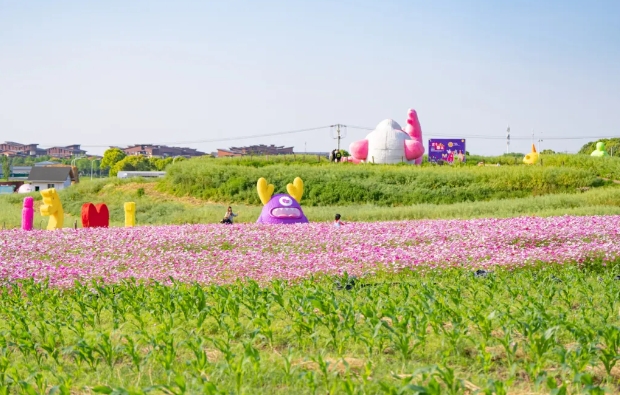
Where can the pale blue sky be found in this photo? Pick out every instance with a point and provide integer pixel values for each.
(116, 72)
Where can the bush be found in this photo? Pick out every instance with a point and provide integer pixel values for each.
(132, 163)
(234, 181)
(611, 145)
(111, 157)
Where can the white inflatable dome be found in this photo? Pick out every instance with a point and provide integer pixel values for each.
(386, 144)
(26, 188)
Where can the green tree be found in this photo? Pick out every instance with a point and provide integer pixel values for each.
(345, 153)
(159, 164)
(111, 157)
(132, 163)
(548, 152)
(6, 167)
(20, 161)
(84, 165)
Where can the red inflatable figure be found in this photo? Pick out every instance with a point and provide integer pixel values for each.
(95, 216)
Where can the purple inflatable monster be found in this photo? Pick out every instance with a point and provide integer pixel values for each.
(281, 208)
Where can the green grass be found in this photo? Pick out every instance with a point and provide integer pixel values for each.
(199, 190)
(329, 184)
(609, 166)
(155, 207)
(528, 330)
(523, 331)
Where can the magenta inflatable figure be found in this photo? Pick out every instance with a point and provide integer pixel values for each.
(281, 208)
(28, 213)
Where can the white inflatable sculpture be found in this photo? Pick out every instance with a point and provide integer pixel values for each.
(389, 143)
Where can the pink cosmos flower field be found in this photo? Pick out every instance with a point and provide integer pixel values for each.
(223, 253)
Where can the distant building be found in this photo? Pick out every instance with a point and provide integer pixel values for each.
(145, 174)
(255, 150)
(160, 151)
(221, 152)
(69, 151)
(6, 189)
(20, 172)
(12, 149)
(17, 172)
(43, 177)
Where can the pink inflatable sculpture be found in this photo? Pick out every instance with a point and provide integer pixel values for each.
(389, 143)
(28, 213)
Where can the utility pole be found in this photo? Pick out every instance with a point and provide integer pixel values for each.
(92, 162)
(540, 140)
(339, 136)
(338, 131)
(508, 140)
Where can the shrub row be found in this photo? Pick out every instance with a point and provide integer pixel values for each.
(342, 184)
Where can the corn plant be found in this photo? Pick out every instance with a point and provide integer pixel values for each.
(449, 328)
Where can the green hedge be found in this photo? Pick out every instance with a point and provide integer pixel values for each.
(234, 181)
(608, 167)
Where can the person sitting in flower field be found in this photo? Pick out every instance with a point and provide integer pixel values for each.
(337, 222)
(228, 217)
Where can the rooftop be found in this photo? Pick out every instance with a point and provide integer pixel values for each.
(45, 174)
(14, 143)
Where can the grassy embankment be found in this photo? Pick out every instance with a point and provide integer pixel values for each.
(197, 191)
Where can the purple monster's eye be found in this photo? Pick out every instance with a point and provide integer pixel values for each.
(285, 201)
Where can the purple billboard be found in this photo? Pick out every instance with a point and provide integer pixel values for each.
(447, 150)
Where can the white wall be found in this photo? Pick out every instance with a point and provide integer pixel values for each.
(144, 174)
(56, 185)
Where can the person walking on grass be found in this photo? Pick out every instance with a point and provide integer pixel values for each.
(337, 222)
(228, 217)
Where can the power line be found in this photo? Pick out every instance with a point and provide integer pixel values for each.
(479, 136)
(466, 136)
(214, 140)
(524, 138)
(248, 137)
(360, 127)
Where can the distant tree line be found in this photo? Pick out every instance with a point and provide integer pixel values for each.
(6, 167)
(115, 160)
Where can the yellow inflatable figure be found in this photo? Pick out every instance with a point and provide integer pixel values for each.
(532, 157)
(52, 207)
(130, 214)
